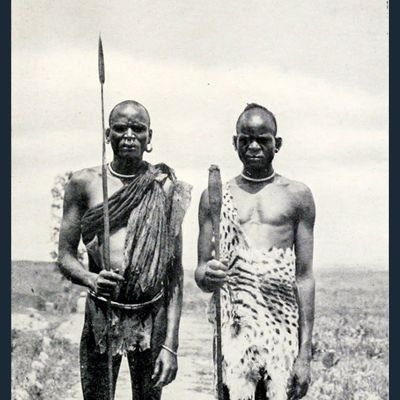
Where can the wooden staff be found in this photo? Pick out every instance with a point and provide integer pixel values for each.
(106, 215)
(215, 200)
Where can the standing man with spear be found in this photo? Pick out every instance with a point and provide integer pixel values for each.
(264, 276)
(129, 215)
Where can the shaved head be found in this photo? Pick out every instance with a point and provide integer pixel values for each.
(256, 115)
(129, 132)
(134, 107)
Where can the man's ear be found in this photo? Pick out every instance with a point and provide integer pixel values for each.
(234, 142)
(107, 133)
(150, 135)
(278, 143)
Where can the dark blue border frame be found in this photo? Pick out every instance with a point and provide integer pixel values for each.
(5, 207)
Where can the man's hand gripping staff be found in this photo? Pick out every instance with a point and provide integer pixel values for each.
(215, 201)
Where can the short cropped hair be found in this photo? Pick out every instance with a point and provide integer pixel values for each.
(252, 106)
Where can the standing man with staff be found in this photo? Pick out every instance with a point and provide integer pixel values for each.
(134, 304)
(265, 272)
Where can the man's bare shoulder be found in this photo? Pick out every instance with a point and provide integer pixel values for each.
(300, 193)
(86, 175)
(297, 188)
(81, 180)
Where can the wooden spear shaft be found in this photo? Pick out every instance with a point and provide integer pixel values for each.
(215, 201)
(106, 215)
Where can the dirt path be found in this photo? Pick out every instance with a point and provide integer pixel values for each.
(194, 380)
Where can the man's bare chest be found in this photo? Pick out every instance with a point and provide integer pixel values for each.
(95, 190)
(270, 206)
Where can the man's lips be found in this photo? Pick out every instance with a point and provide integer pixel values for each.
(128, 147)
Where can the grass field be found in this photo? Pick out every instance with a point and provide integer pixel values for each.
(350, 336)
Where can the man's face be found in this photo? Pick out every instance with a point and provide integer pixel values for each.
(129, 131)
(255, 142)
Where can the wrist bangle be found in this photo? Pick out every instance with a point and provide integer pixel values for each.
(170, 350)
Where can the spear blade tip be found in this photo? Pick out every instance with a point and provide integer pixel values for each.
(101, 61)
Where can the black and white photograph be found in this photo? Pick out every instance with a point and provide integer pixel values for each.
(200, 200)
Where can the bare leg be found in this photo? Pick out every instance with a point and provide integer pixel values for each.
(141, 367)
(225, 392)
(94, 370)
(259, 395)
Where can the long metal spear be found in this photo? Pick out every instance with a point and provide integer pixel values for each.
(215, 200)
(106, 215)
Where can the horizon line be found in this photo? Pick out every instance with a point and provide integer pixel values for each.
(382, 266)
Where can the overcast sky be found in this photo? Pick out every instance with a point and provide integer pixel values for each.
(320, 66)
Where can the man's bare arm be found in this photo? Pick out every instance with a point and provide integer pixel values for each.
(210, 273)
(175, 290)
(301, 373)
(304, 240)
(70, 233)
(166, 364)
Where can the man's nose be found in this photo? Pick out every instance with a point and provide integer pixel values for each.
(254, 145)
(129, 134)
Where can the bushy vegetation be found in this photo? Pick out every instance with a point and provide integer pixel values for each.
(41, 365)
(351, 336)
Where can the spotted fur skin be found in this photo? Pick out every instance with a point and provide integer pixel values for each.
(259, 312)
